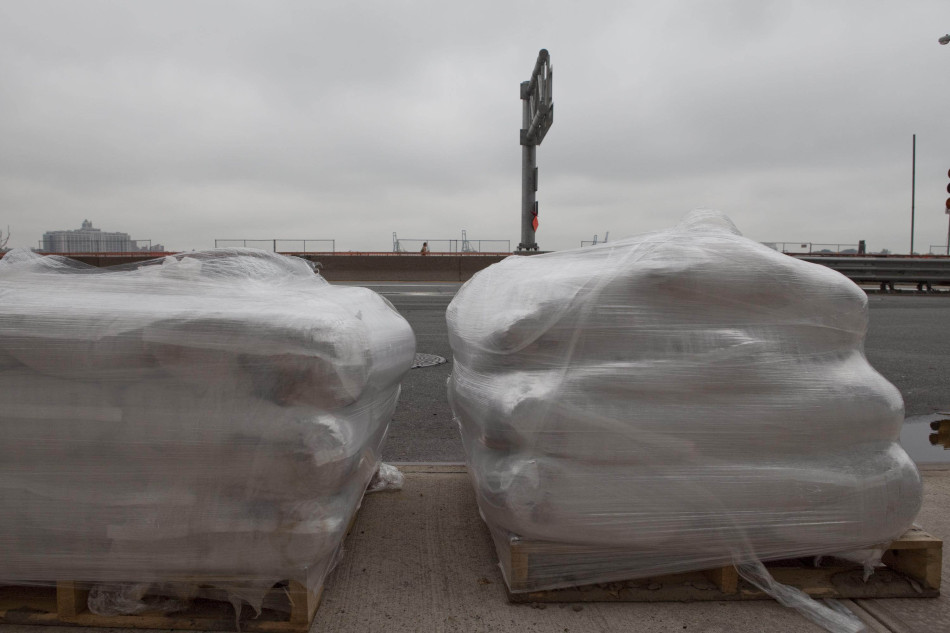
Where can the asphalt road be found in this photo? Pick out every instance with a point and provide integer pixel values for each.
(422, 429)
(908, 342)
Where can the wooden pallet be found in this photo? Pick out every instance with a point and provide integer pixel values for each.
(912, 570)
(65, 604)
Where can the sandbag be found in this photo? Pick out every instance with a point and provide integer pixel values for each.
(682, 400)
(209, 419)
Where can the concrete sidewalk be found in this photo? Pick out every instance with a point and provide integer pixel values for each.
(422, 560)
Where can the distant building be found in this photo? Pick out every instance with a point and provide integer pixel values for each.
(92, 240)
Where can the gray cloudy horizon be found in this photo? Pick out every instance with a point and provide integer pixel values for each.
(183, 122)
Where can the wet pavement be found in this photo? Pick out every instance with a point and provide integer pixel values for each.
(926, 438)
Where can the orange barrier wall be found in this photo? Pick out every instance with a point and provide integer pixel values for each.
(352, 266)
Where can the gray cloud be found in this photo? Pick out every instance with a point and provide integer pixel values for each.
(183, 122)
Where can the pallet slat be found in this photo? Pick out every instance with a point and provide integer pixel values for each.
(70, 600)
(913, 566)
(66, 604)
(923, 565)
(303, 604)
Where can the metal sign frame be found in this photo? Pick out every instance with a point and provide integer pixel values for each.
(537, 118)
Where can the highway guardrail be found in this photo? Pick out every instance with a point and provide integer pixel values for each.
(887, 271)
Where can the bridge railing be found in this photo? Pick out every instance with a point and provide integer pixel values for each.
(281, 245)
(453, 246)
(808, 248)
(889, 270)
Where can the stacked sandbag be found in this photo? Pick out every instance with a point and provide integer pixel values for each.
(685, 399)
(213, 417)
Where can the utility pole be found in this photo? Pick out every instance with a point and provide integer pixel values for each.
(537, 117)
(946, 210)
(913, 190)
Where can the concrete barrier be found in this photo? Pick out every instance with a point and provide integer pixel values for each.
(350, 267)
(449, 267)
(339, 267)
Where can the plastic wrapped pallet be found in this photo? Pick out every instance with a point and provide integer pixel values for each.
(688, 397)
(214, 417)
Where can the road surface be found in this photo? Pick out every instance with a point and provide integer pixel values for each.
(908, 342)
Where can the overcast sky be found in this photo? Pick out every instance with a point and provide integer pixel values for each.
(183, 122)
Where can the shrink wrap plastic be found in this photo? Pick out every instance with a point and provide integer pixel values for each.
(213, 418)
(680, 400)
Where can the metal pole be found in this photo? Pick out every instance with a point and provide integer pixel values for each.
(948, 233)
(537, 118)
(913, 189)
(528, 161)
(528, 200)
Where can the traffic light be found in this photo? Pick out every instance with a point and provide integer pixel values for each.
(534, 213)
(948, 191)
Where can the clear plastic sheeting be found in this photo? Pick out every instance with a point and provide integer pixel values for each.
(205, 420)
(680, 400)
(388, 478)
(832, 616)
